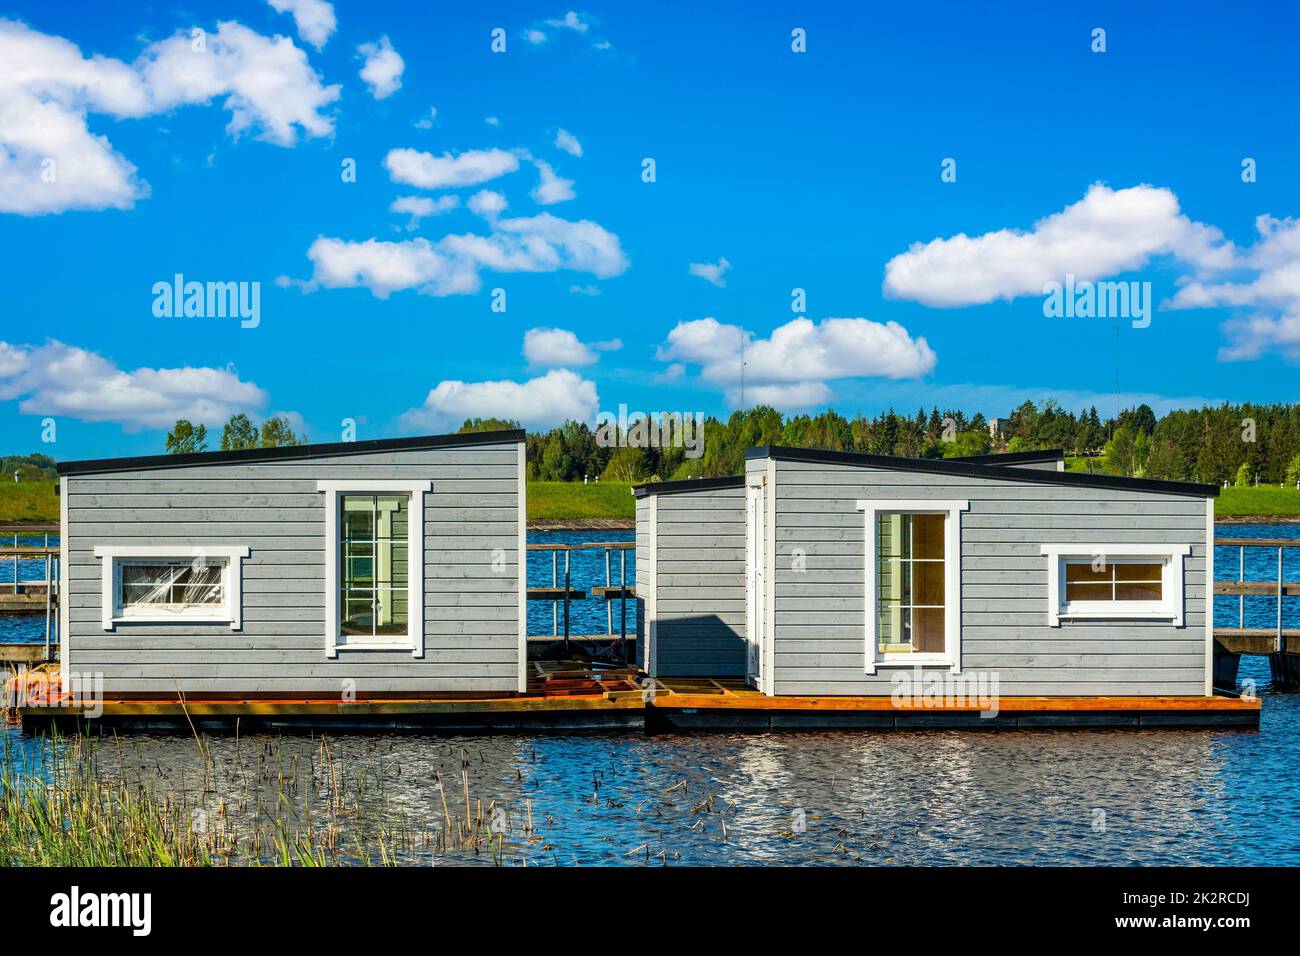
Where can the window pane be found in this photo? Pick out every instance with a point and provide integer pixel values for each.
(1084, 571)
(1128, 571)
(1088, 592)
(927, 535)
(357, 611)
(391, 616)
(927, 631)
(927, 583)
(891, 533)
(894, 629)
(1145, 591)
(358, 518)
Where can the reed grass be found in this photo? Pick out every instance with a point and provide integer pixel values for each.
(88, 801)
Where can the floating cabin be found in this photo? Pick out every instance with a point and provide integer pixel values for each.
(827, 573)
(364, 568)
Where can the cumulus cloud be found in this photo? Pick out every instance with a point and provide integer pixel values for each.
(550, 188)
(1105, 233)
(452, 265)
(487, 203)
(66, 381)
(421, 207)
(560, 348)
(448, 171)
(568, 142)
(711, 272)
(382, 69)
(573, 23)
(1265, 281)
(427, 122)
(50, 162)
(792, 366)
(558, 396)
(314, 19)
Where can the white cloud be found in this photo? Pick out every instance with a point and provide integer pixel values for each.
(711, 272)
(568, 142)
(427, 122)
(1269, 287)
(50, 162)
(1107, 232)
(448, 171)
(589, 289)
(793, 365)
(452, 265)
(572, 22)
(560, 348)
(383, 68)
(550, 188)
(552, 399)
(421, 207)
(487, 203)
(62, 380)
(314, 19)
(492, 120)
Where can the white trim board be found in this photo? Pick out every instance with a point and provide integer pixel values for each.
(953, 509)
(232, 581)
(414, 640)
(1209, 597)
(523, 569)
(1170, 608)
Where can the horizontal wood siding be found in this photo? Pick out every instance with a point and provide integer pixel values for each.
(471, 607)
(700, 583)
(819, 611)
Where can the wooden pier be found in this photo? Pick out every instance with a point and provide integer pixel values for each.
(571, 695)
(1280, 645)
(30, 597)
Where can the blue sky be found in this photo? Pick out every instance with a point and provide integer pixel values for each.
(818, 170)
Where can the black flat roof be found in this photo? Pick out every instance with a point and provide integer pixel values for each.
(690, 484)
(968, 469)
(1014, 457)
(290, 452)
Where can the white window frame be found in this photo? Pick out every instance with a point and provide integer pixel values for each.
(952, 509)
(1169, 608)
(413, 640)
(230, 612)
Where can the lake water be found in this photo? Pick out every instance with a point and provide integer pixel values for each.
(934, 797)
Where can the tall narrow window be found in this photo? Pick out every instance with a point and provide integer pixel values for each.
(910, 572)
(912, 569)
(373, 578)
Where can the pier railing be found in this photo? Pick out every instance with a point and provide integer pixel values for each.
(561, 592)
(1257, 640)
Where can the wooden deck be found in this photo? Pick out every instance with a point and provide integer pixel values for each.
(572, 696)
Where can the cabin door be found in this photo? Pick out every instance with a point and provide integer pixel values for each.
(756, 592)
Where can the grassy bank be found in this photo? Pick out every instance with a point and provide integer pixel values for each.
(551, 500)
(1263, 500)
(28, 501)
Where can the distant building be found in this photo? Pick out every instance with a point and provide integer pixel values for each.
(997, 426)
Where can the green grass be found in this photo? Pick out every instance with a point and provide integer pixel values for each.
(1261, 500)
(572, 499)
(30, 500)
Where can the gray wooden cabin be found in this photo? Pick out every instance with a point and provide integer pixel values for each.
(1061, 583)
(690, 571)
(365, 568)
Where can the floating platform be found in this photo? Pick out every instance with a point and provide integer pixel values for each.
(571, 696)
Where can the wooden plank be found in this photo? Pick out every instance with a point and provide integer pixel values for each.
(1257, 542)
(1289, 588)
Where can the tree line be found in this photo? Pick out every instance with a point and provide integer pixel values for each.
(1243, 444)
